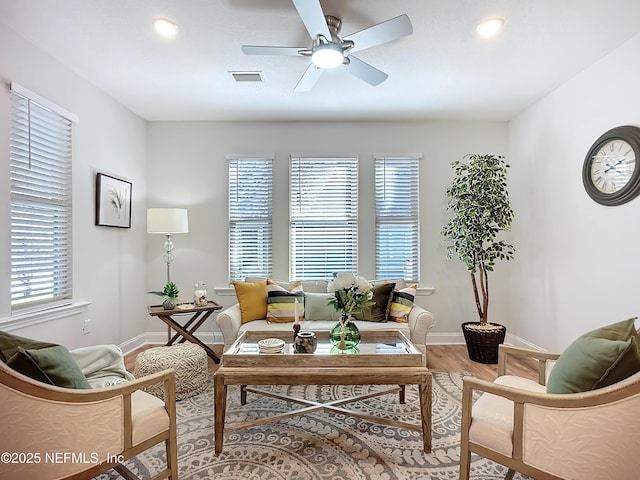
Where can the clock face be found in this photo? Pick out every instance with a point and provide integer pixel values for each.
(610, 173)
(612, 166)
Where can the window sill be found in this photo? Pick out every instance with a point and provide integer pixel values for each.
(35, 317)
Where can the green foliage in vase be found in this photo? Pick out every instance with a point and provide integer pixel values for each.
(479, 201)
(170, 291)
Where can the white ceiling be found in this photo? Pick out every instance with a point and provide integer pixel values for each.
(442, 71)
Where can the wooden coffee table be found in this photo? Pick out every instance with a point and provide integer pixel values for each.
(384, 358)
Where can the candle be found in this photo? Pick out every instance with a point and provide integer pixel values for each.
(295, 311)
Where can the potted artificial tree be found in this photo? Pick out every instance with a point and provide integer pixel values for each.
(479, 202)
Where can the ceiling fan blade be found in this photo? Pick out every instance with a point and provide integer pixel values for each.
(309, 79)
(384, 32)
(264, 50)
(366, 72)
(312, 16)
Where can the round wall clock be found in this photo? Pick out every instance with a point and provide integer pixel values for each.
(610, 173)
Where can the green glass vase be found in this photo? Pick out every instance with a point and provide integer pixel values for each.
(345, 335)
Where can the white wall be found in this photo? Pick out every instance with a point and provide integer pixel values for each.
(577, 264)
(109, 263)
(188, 168)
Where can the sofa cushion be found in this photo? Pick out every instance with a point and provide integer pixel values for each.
(252, 298)
(596, 359)
(401, 304)
(320, 326)
(378, 312)
(53, 365)
(316, 307)
(315, 286)
(281, 304)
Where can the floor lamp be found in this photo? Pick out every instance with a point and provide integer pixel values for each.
(167, 221)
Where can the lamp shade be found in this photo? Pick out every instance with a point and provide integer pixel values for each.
(167, 220)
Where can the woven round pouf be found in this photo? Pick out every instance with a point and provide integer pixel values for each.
(187, 359)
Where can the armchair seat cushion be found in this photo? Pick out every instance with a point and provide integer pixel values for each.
(492, 416)
(148, 416)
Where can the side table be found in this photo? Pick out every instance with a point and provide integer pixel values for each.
(185, 332)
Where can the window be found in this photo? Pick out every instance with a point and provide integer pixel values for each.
(250, 217)
(397, 217)
(323, 217)
(40, 172)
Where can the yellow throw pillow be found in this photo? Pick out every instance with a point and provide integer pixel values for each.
(252, 298)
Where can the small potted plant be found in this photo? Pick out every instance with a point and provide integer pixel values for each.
(170, 294)
(479, 202)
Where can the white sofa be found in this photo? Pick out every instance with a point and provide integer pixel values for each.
(420, 321)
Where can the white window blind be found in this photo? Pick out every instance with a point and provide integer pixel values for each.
(323, 217)
(397, 217)
(41, 237)
(250, 217)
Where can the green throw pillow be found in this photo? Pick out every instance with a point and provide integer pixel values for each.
(53, 365)
(596, 359)
(316, 307)
(9, 345)
(378, 312)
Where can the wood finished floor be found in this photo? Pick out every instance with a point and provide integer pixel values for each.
(440, 358)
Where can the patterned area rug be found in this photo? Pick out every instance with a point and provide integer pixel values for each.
(321, 445)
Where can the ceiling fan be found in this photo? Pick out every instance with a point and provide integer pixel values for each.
(329, 50)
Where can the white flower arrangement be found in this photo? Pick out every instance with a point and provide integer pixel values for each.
(351, 293)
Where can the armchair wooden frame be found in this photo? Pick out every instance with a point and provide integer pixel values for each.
(13, 383)
(602, 397)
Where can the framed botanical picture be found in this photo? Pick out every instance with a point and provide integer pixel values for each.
(113, 201)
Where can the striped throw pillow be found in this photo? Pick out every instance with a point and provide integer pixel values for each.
(401, 304)
(281, 304)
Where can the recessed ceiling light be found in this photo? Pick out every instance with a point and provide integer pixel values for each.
(165, 27)
(489, 27)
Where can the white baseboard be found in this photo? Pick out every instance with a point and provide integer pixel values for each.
(160, 338)
(445, 338)
(521, 342)
(435, 338)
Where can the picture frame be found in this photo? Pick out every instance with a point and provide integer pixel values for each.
(113, 202)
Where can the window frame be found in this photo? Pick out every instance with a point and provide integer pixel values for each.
(407, 189)
(264, 250)
(337, 224)
(41, 179)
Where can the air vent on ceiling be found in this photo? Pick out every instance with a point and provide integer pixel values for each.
(246, 76)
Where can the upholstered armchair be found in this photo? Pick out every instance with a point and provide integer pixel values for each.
(51, 432)
(591, 435)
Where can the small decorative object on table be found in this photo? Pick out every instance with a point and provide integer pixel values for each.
(200, 294)
(170, 294)
(270, 345)
(351, 294)
(305, 342)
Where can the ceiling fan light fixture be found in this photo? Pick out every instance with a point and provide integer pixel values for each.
(489, 27)
(165, 27)
(327, 56)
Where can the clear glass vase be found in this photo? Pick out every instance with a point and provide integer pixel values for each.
(345, 335)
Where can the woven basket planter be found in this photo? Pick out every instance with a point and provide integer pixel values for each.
(482, 345)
